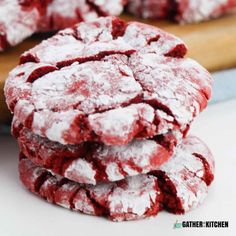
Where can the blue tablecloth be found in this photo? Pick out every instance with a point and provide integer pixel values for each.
(224, 86)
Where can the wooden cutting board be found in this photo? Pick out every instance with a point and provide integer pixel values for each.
(212, 43)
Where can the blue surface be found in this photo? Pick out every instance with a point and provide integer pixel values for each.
(224, 86)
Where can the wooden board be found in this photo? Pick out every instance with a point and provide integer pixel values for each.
(212, 43)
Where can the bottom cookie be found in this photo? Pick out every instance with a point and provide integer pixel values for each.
(178, 186)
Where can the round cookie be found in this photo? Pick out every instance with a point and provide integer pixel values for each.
(108, 81)
(180, 185)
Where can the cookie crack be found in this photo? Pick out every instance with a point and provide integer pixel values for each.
(96, 57)
(72, 197)
(169, 201)
(96, 8)
(157, 104)
(99, 208)
(208, 175)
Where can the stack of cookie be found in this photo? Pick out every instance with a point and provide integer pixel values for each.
(101, 115)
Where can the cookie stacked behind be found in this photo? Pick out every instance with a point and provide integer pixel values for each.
(22, 18)
(101, 114)
(183, 11)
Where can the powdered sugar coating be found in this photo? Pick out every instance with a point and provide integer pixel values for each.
(61, 14)
(120, 124)
(107, 57)
(189, 174)
(195, 11)
(196, 146)
(81, 171)
(161, 79)
(20, 81)
(88, 87)
(107, 7)
(17, 22)
(191, 191)
(21, 18)
(92, 163)
(130, 199)
(149, 9)
(183, 11)
(134, 197)
(138, 193)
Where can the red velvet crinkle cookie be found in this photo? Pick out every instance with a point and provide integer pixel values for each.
(107, 81)
(22, 18)
(62, 14)
(183, 11)
(91, 163)
(19, 20)
(178, 186)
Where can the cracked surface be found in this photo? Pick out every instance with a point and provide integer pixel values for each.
(130, 199)
(178, 186)
(185, 178)
(91, 163)
(107, 81)
(183, 11)
(29, 17)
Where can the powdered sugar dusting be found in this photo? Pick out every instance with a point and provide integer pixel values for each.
(120, 123)
(57, 123)
(139, 194)
(166, 90)
(37, 16)
(121, 81)
(149, 9)
(186, 172)
(118, 162)
(113, 172)
(81, 171)
(196, 11)
(132, 198)
(190, 11)
(16, 22)
(89, 87)
(113, 7)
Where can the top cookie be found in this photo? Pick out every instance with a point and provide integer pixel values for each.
(107, 81)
